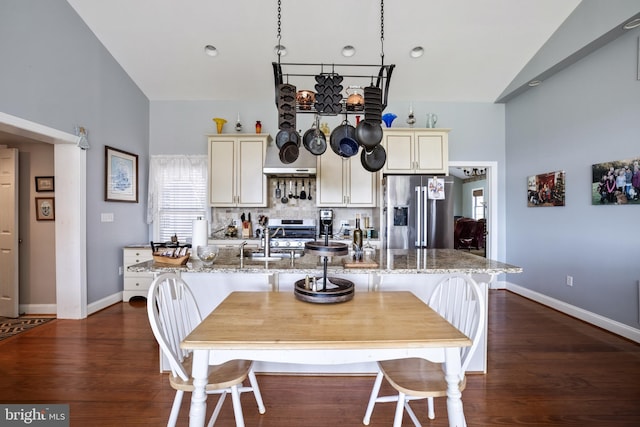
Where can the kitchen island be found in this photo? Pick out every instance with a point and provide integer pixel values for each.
(391, 261)
(418, 271)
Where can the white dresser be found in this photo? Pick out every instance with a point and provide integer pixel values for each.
(136, 284)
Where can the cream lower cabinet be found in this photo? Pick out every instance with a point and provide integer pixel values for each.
(136, 284)
(345, 183)
(235, 170)
(416, 151)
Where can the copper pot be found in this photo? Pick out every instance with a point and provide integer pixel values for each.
(305, 99)
(355, 100)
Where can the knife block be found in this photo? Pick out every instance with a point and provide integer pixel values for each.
(246, 230)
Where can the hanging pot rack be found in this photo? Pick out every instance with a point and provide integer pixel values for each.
(380, 75)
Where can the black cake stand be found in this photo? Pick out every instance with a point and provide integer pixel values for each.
(325, 290)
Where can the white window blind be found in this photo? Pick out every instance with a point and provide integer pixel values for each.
(478, 203)
(177, 195)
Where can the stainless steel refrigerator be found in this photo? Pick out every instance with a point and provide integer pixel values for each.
(416, 213)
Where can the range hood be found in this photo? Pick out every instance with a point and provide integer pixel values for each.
(304, 166)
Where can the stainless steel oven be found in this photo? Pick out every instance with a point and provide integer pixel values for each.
(291, 234)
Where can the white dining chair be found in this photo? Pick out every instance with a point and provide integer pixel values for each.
(458, 299)
(173, 314)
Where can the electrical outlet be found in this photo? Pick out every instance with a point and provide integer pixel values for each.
(106, 217)
(120, 271)
(569, 280)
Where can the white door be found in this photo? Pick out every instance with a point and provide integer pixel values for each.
(9, 232)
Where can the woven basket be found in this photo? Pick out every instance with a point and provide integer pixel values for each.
(161, 259)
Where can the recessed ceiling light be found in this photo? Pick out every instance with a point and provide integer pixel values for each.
(416, 52)
(348, 51)
(211, 50)
(632, 24)
(280, 49)
(534, 83)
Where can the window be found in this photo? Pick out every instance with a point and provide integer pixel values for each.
(177, 195)
(478, 203)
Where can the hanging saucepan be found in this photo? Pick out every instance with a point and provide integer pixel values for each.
(343, 140)
(369, 134)
(374, 159)
(289, 152)
(314, 140)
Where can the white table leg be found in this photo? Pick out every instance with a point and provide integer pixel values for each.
(198, 408)
(452, 375)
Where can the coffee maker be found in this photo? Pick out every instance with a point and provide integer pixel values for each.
(326, 222)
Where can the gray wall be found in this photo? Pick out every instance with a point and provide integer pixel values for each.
(588, 113)
(55, 72)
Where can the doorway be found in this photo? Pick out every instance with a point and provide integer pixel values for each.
(70, 224)
(490, 199)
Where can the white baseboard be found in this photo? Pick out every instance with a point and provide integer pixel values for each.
(52, 309)
(605, 323)
(37, 309)
(104, 303)
(501, 284)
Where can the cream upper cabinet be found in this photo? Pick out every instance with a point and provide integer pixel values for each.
(235, 170)
(345, 183)
(416, 151)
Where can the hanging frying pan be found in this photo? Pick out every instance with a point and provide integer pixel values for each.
(286, 135)
(368, 134)
(289, 152)
(282, 138)
(375, 159)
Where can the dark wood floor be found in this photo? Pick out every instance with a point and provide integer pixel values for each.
(545, 369)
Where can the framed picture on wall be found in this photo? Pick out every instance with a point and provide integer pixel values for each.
(44, 183)
(45, 209)
(616, 182)
(546, 189)
(121, 176)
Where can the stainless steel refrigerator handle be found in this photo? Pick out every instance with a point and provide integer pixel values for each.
(425, 220)
(418, 219)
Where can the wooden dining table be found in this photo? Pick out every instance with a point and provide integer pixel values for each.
(277, 327)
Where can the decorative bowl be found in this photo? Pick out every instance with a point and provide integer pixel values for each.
(305, 99)
(207, 254)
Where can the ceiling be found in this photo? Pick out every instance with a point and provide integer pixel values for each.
(473, 48)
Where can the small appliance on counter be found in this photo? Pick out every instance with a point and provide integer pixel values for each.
(326, 223)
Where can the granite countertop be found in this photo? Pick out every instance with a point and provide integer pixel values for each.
(393, 261)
